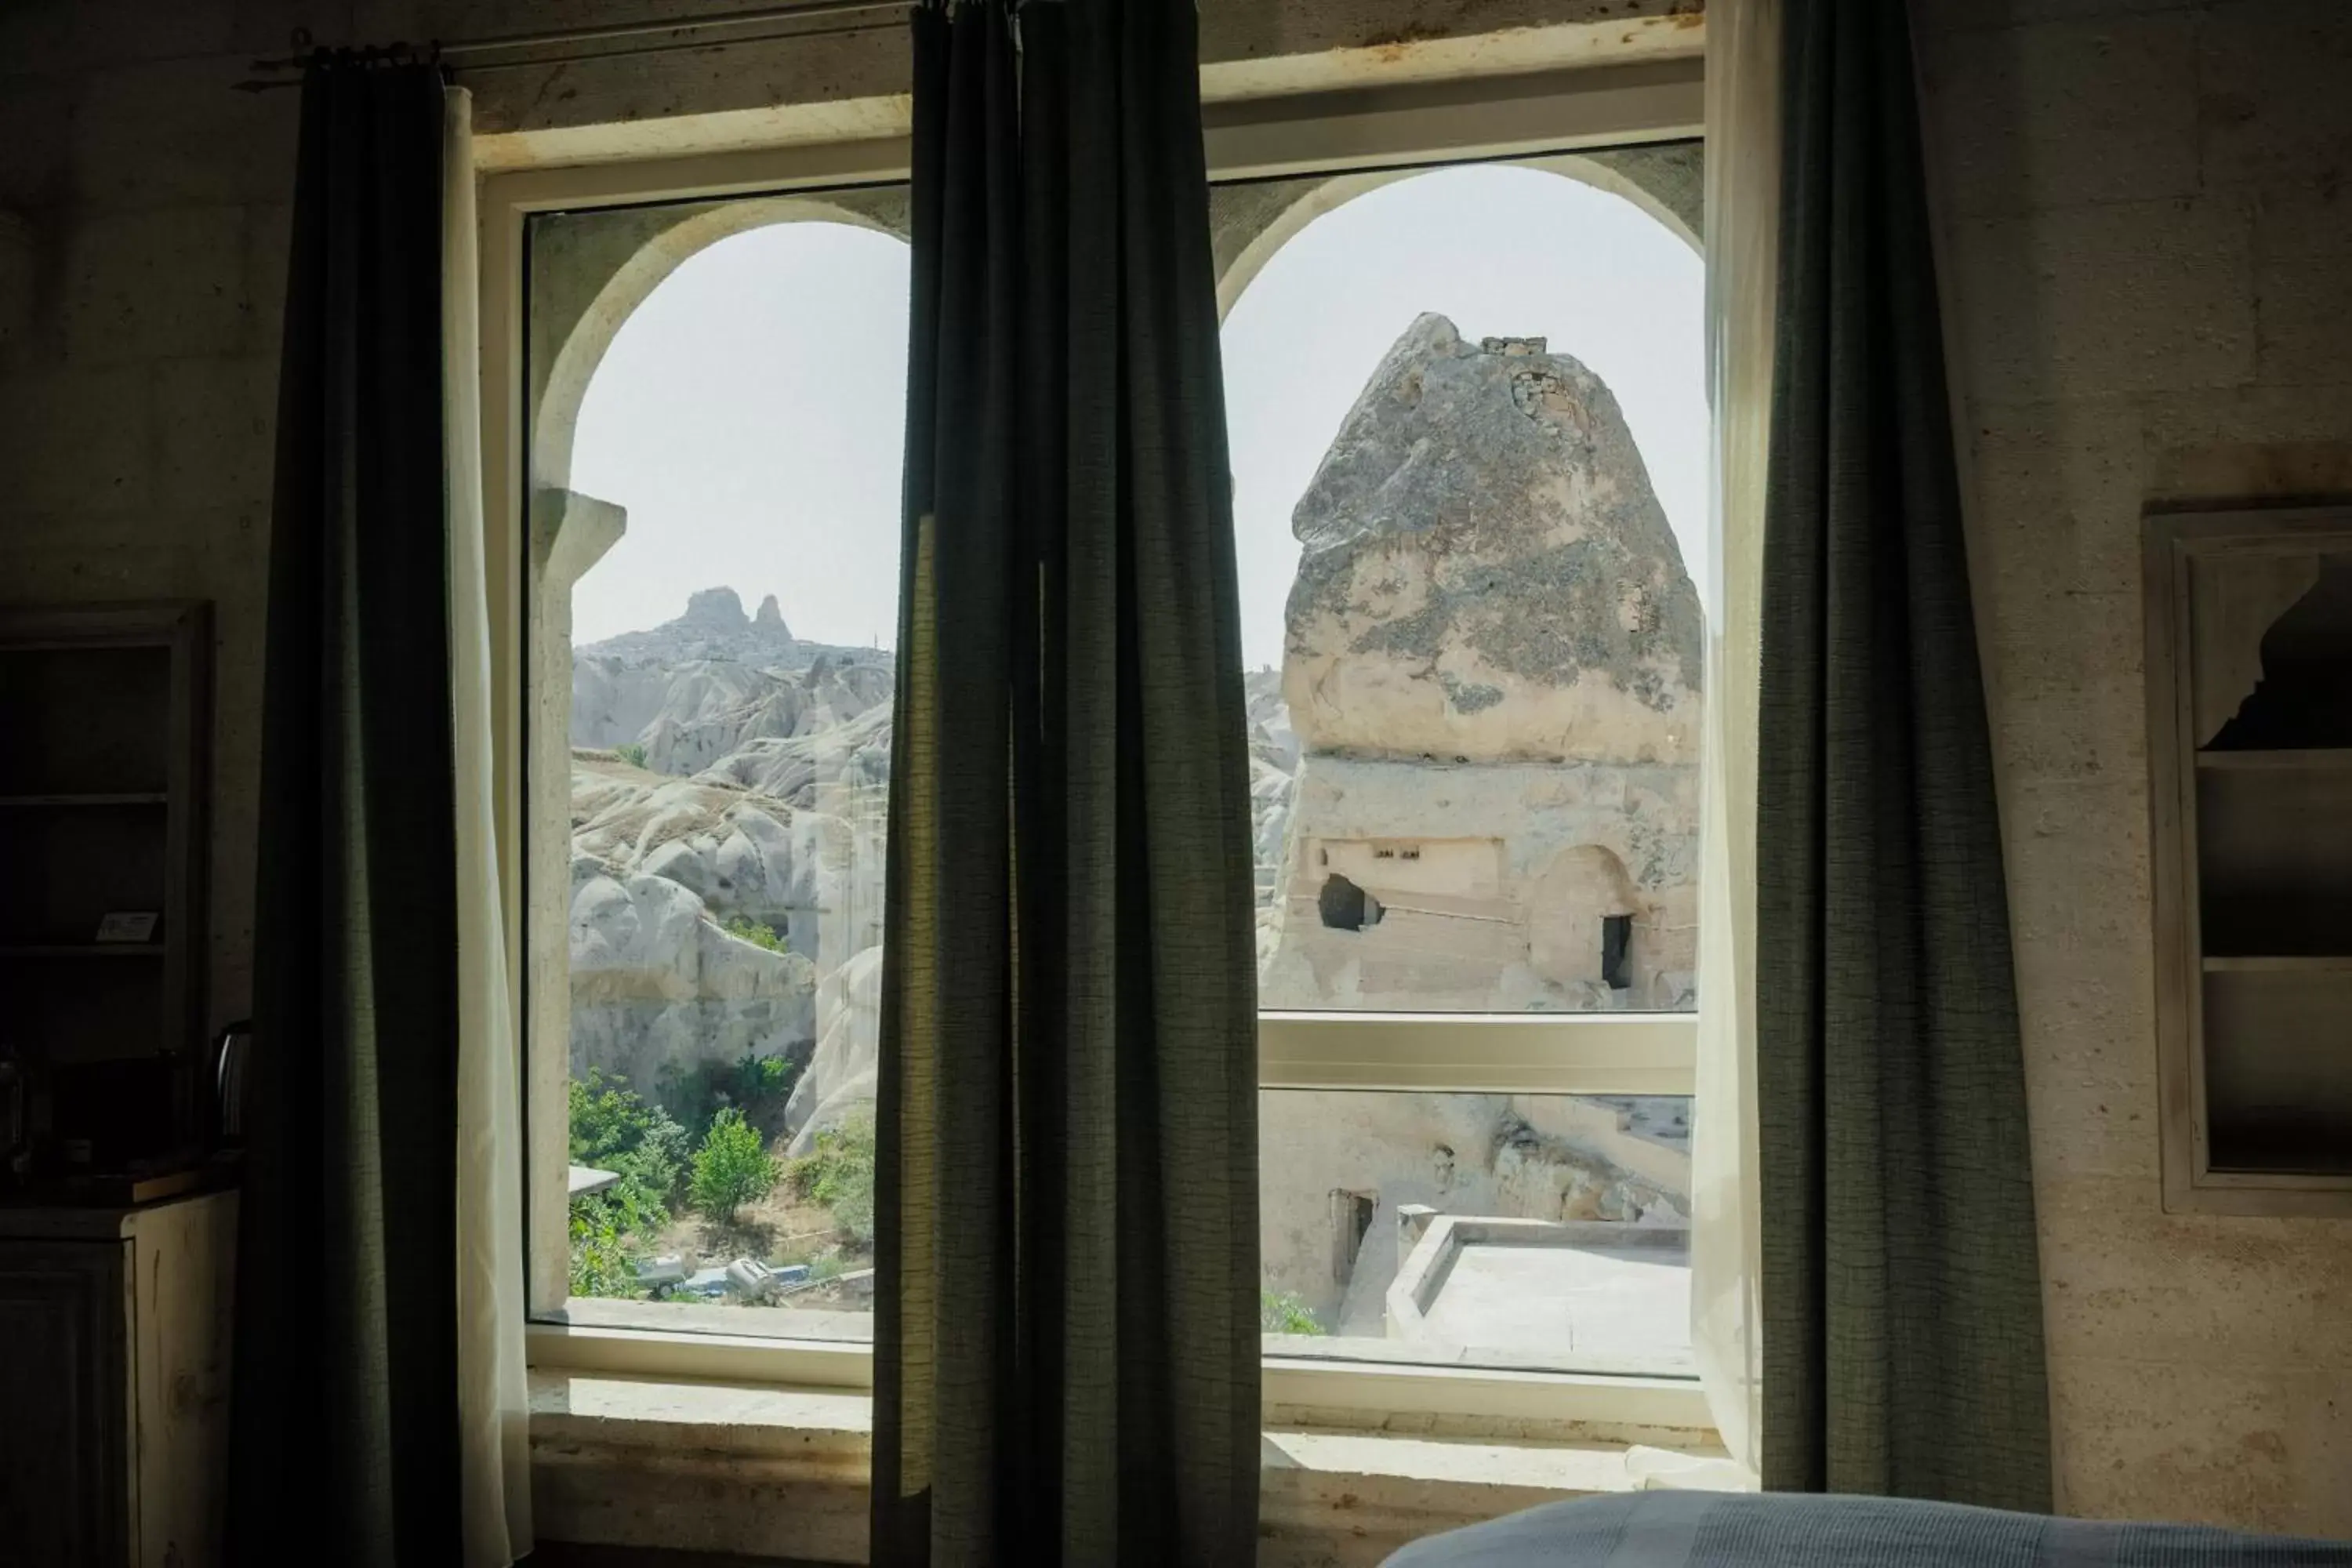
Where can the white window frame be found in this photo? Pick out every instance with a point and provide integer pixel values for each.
(1454, 120)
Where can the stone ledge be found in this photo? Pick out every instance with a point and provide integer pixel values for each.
(701, 1466)
(709, 1415)
(709, 1466)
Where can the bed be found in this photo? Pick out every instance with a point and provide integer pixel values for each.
(1720, 1530)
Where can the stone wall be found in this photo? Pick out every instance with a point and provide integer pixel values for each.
(2148, 266)
(2149, 255)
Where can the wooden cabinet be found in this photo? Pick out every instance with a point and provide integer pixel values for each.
(2250, 753)
(114, 1381)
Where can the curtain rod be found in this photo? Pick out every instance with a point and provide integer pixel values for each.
(455, 54)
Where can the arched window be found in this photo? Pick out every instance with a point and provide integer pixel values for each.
(1468, 444)
(1469, 440)
(716, 449)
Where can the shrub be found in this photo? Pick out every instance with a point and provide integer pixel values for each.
(634, 754)
(660, 1162)
(1284, 1312)
(757, 1086)
(839, 1174)
(758, 934)
(732, 1168)
(600, 1267)
(614, 1130)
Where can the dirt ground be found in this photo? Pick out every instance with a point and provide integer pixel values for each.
(778, 1228)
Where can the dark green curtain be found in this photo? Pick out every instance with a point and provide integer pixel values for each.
(345, 1416)
(1900, 1290)
(1067, 1339)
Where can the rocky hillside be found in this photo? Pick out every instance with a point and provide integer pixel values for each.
(1487, 713)
(693, 691)
(729, 794)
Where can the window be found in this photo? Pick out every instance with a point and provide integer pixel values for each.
(1469, 434)
(1460, 394)
(717, 606)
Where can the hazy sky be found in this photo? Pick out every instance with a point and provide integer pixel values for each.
(749, 414)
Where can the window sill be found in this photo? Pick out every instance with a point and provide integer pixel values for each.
(767, 1470)
(700, 1466)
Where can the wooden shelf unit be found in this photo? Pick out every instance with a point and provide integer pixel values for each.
(2249, 756)
(103, 783)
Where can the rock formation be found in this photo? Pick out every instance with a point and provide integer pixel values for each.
(714, 628)
(719, 609)
(1530, 1156)
(656, 984)
(728, 775)
(1475, 787)
(1491, 676)
(1486, 574)
(840, 1076)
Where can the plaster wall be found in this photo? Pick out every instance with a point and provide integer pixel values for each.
(2148, 255)
(2147, 271)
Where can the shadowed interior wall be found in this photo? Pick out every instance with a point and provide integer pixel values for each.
(2147, 271)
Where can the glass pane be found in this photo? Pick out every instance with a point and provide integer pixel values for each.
(1469, 446)
(722, 583)
(1544, 1232)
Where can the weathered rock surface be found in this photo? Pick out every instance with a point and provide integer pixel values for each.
(1548, 1157)
(660, 865)
(1491, 678)
(824, 697)
(763, 798)
(1496, 881)
(693, 689)
(840, 1076)
(656, 983)
(815, 878)
(1485, 572)
(851, 758)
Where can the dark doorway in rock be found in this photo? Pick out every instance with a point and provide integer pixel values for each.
(1351, 1220)
(1347, 907)
(1616, 940)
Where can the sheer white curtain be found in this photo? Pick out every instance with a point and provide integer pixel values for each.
(1743, 185)
(493, 1394)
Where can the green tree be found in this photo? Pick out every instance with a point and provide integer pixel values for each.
(732, 1168)
(838, 1173)
(634, 754)
(1284, 1312)
(614, 1130)
(600, 1258)
(757, 1086)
